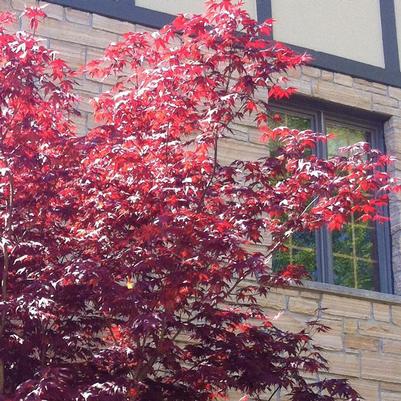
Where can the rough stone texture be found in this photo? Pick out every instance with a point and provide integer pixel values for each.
(365, 341)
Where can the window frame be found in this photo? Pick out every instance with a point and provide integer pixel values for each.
(320, 114)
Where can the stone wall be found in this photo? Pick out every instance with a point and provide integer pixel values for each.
(365, 341)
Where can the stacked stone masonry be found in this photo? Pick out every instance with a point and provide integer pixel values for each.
(365, 341)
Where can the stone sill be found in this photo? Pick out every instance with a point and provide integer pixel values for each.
(350, 292)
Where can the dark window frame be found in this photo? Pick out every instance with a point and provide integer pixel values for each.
(319, 114)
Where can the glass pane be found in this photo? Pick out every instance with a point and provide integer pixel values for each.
(354, 247)
(343, 136)
(301, 246)
(343, 271)
(291, 121)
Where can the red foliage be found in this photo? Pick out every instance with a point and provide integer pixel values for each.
(118, 246)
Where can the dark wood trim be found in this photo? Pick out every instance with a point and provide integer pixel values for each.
(389, 32)
(126, 10)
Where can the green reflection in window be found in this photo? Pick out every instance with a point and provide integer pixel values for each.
(354, 247)
(301, 246)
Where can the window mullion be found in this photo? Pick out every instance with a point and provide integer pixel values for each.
(323, 236)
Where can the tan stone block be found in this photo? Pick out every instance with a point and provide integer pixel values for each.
(345, 306)
(385, 367)
(93, 53)
(72, 53)
(5, 5)
(333, 339)
(294, 73)
(112, 25)
(230, 150)
(341, 94)
(350, 326)
(342, 79)
(327, 75)
(394, 92)
(87, 85)
(302, 86)
(51, 10)
(392, 346)
(388, 110)
(79, 17)
(141, 28)
(384, 100)
(311, 71)
(396, 314)
(390, 396)
(84, 101)
(310, 294)
(381, 90)
(358, 342)
(289, 321)
(71, 32)
(381, 312)
(303, 305)
(368, 389)
(379, 329)
(394, 387)
(290, 291)
(273, 301)
(341, 363)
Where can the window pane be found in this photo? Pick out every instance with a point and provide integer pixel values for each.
(354, 247)
(343, 136)
(301, 246)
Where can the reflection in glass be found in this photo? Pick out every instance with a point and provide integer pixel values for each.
(301, 246)
(354, 247)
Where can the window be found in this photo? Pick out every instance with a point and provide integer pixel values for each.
(358, 256)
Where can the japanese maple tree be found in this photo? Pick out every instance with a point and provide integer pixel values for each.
(126, 266)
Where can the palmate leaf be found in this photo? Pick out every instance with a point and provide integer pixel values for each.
(127, 266)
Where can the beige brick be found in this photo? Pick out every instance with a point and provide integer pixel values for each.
(273, 301)
(394, 387)
(333, 339)
(70, 32)
(311, 294)
(303, 305)
(327, 75)
(345, 306)
(311, 71)
(392, 346)
(390, 396)
(84, 102)
(379, 329)
(368, 389)
(79, 17)
(342, 79)
(343, 363)
(357, 342)
(394, 92)
(379, 108)
(341, 94)
(350, 326)
(72, 53)
(87, 85)
(51, 10)
(381, 312)
(384, 101)
(112, 25)
(230, 150)
(290, 321)
(294, 73)
(303, 86)
(396, 314)
(385, 367)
